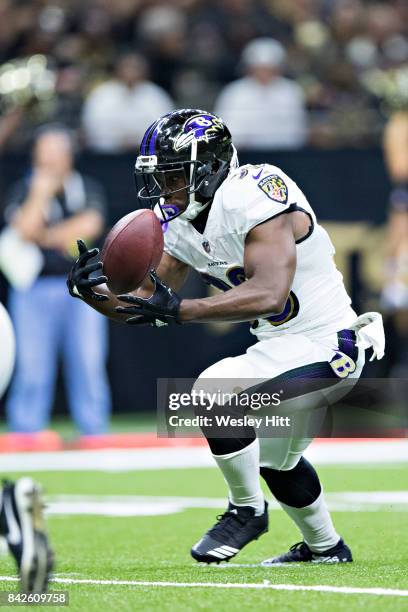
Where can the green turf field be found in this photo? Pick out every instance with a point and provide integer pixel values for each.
(156, 548)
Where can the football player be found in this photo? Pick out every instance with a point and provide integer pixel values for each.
(275, 263)
(22, 528)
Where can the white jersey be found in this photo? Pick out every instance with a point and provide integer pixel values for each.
(318, 304)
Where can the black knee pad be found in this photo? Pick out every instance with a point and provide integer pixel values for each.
(225, 439)
(224, 446)
(298, 488)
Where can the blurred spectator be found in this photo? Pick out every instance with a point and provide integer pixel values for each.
(193, 50)
(116, 112)
(50, 208)
(35, 90)
(264, 110)
(9, 124)
(395, 293)
(164, 33)
(68, 99)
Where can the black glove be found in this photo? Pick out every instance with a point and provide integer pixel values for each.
(79, 284)
(145, 320)
(161, 307)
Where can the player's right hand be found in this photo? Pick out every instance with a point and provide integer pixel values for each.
(79, 284)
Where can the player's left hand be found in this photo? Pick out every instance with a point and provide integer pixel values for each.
(163, 306)
(79, 283)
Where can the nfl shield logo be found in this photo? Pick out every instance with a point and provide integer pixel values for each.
(206, 246)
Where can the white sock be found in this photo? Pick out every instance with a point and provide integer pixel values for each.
(241, 472)
(315, 523)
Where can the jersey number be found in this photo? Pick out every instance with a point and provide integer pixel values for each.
(236, 276)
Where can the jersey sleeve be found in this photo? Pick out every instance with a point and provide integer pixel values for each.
(258, 194)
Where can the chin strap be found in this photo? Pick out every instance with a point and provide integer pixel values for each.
(234, 164)
(194, 207)
(193, 210)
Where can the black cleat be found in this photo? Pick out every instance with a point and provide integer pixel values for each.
(235, 529)
(300, 553)
(22, 525)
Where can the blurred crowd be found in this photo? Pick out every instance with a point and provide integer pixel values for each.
(106, 69)
(283, 74)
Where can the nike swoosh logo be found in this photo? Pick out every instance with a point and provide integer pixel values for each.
(256, 176)
(14, 534)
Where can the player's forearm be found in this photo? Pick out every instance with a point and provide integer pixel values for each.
(173, 272)
(244, 303)
(107, 307)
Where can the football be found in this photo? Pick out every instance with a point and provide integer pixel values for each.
(133, 247)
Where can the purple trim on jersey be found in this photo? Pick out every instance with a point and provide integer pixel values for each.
(169, 211)
(347, 343)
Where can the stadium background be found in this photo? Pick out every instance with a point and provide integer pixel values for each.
(193, 49)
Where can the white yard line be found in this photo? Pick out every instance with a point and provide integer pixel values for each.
(143, 505)
(322, 588)
(370, 452)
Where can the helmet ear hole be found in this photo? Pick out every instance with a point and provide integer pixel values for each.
(215, 166)
(203, 171)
